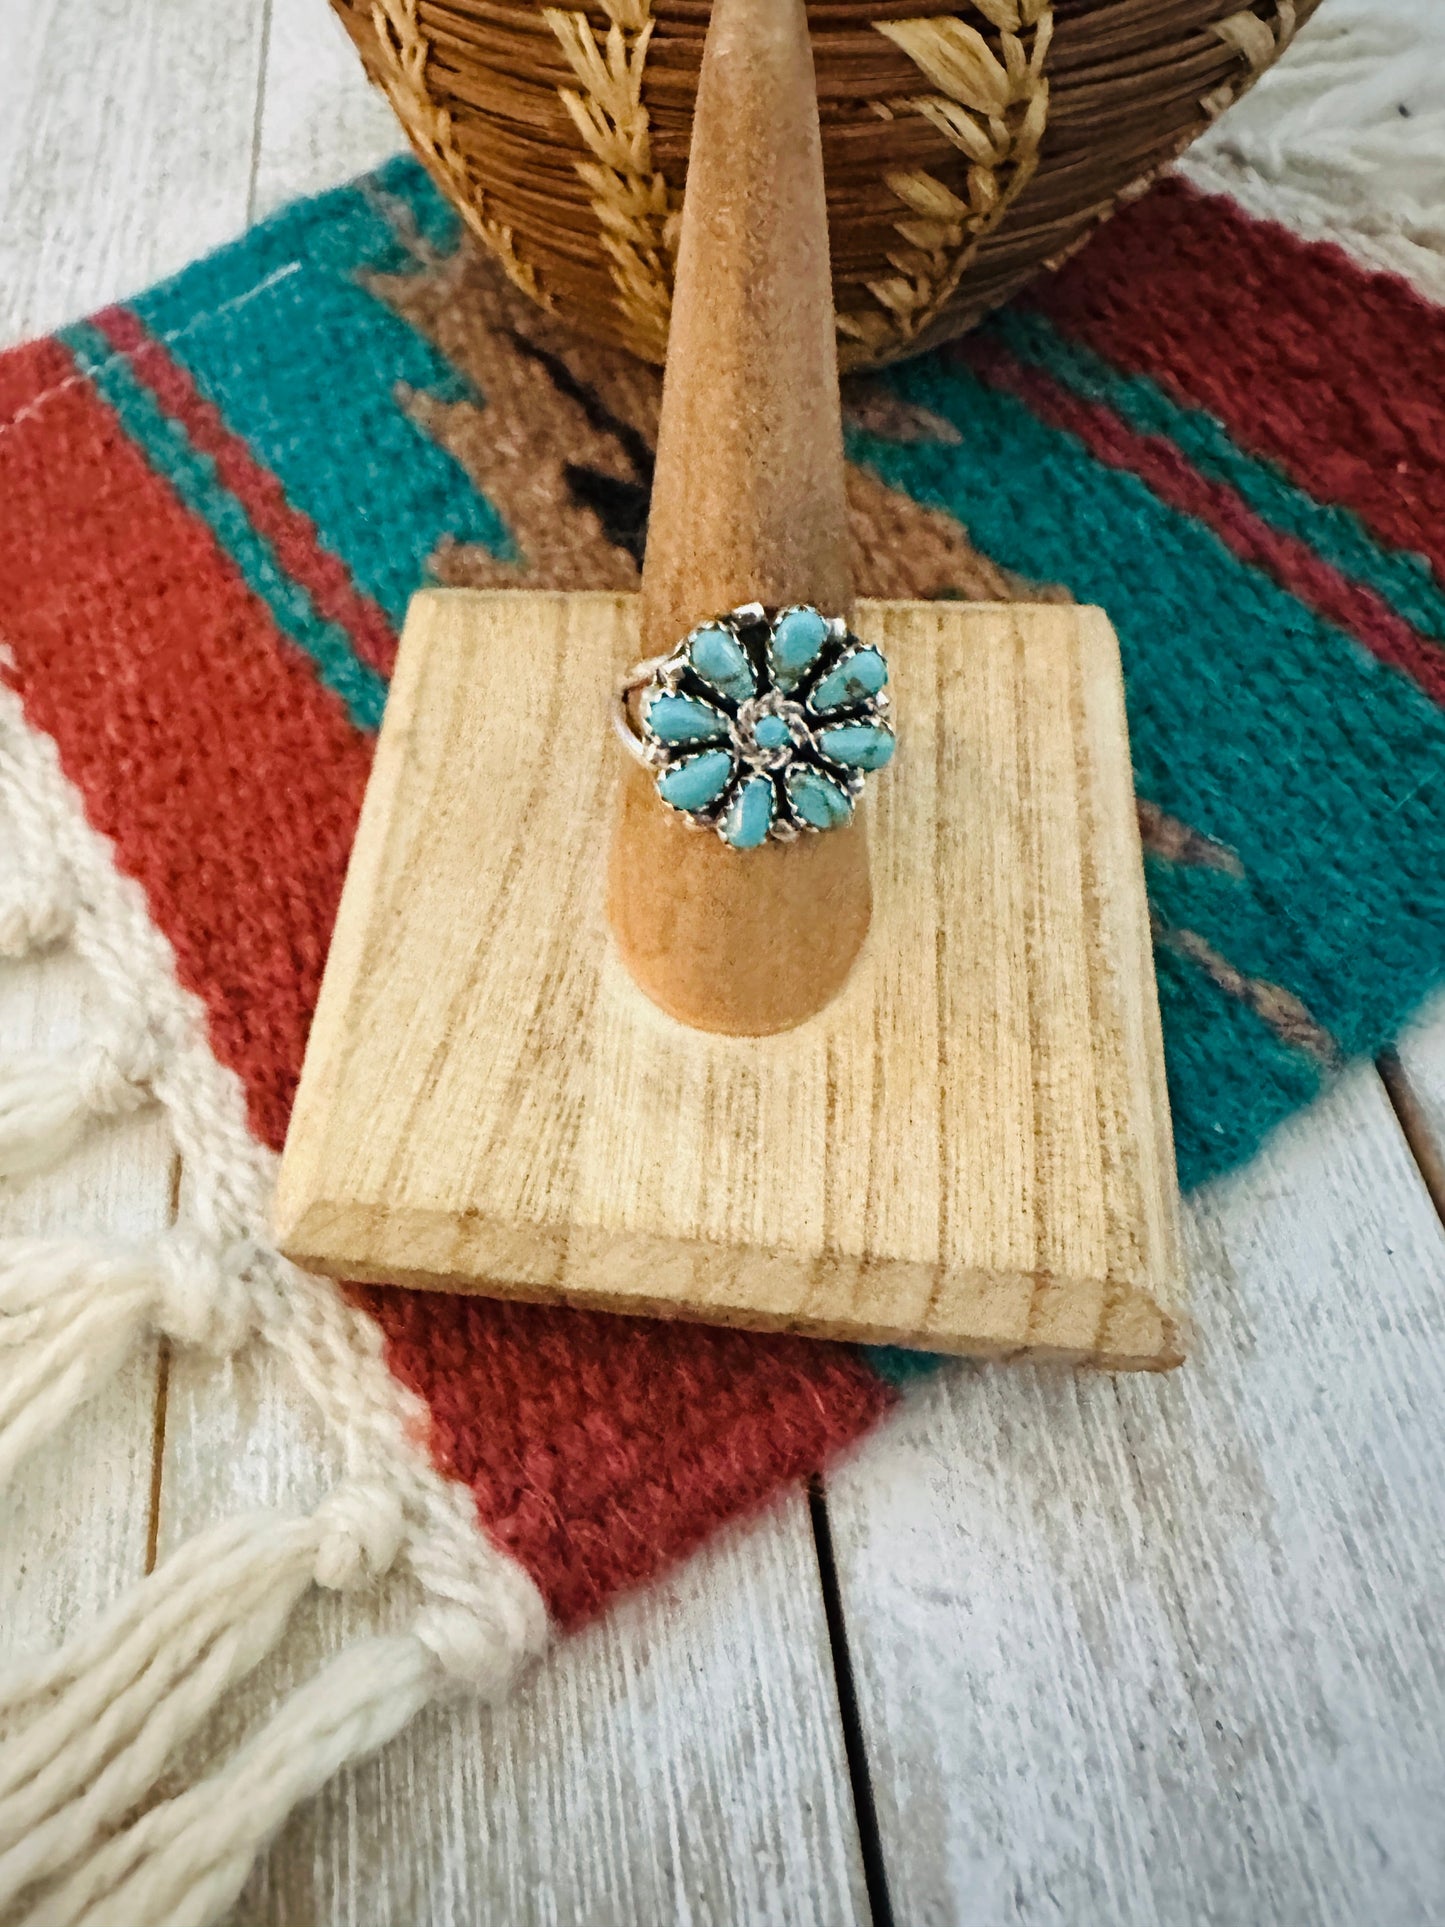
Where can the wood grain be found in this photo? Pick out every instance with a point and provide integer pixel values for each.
(318, 122)
(94, 107)
(75, 1523)
(1054, 1588)
(968, 1149)
(685, 1753)
(1170, 1650)
(682, 1760)
(125, 147)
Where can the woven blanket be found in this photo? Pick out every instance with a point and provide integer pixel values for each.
(218, 497)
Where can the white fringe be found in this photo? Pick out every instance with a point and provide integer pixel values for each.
(33, 916)
(91, 1728)
(90, 1732)
(185, 1862)
(37, 892)
(72, 1312)
(48, 1099)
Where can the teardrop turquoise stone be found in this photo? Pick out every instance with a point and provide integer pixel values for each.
(771, 732)
(678, 719)
(819, 802)
(718, 657)
(857, 745)
(696, 781)
(856, 678)
(750, 814)
(798, 637)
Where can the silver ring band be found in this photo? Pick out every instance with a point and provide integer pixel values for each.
(632, 684)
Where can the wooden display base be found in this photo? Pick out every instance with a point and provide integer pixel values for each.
(968, 1150)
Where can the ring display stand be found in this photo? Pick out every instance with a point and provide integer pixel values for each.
(950, 1132)
(967, 1149)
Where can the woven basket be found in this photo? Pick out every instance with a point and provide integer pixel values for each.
(964, 151)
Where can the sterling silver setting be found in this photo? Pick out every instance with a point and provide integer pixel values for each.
(762, 724)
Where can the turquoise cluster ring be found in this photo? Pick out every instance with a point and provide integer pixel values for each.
(762, 724)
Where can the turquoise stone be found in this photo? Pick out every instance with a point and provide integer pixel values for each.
(798, 637)
(857, 745)
(771, 732)
(750, 814)
(678, 719)
(856, 678)
(696, 781)
(818, 800)
(719, 658)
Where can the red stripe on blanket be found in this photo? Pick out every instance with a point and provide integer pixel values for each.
(603, 1449)
(323, 575)
(228, 778)
(1332, 372)
(599, 1449)
(1292, 563)
(30, 373)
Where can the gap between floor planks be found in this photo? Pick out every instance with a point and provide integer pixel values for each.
(752, 1818)
(103, 1188)
(1167, 1650)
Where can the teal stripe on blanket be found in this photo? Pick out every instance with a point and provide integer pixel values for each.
(1337, 534)
(323, 414)
(192, 475)
(1252, 720)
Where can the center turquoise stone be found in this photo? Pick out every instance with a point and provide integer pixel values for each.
(771, 732)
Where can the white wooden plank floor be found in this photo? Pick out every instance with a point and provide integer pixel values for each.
(1140, 1650)
(1133, 1651)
